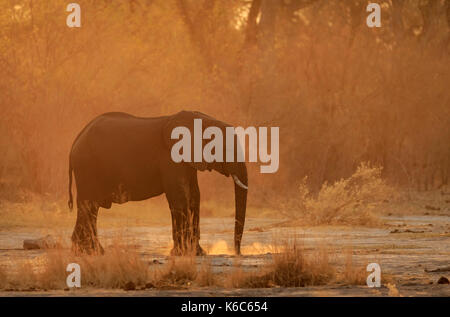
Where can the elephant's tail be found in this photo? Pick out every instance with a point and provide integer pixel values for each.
(70, 202)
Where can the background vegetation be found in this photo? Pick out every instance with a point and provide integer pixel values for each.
(340, 92)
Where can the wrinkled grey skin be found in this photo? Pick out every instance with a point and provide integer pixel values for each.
(118, 157)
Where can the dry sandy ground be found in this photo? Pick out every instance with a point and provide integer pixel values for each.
(408, 249)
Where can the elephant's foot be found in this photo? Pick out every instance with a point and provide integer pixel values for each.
(200, 251)
(99, 249)
(85, 247)
(177, 251)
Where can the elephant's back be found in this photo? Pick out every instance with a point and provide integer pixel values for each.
(115, 127)
(116, 149)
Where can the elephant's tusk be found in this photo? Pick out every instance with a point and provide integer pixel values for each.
(238, 182)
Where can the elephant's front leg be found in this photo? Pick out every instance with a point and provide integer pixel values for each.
(194, 207)
(180, 231)
(182, 221)
(183, 196)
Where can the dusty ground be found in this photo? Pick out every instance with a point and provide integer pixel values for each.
(408, 249)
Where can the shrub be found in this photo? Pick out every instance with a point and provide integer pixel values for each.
(347, 201)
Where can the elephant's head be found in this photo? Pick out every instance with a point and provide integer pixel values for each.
(237, 170)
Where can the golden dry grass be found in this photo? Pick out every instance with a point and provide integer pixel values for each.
(178, 272)
(352, 274)
(206, 276)
(292, 265)
(238, 278)
(3, 277)
(114, 269)
(356, 273)
(120, 267)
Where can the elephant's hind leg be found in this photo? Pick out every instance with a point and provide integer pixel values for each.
(84, 237)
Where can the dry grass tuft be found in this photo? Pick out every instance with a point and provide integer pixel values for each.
(291, 267)
(238, 278)
(352, 275)
(178, 272)
(206, 276)
(356, 274)
(3, 278)
(114, 269)
(349, 201)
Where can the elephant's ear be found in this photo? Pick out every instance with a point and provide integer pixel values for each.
(186, 119)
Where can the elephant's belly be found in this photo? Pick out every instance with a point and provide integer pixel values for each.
(123, 193)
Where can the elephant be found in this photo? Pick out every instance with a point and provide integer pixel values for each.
(118, 157)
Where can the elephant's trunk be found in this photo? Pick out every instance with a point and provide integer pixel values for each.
(240, 192)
